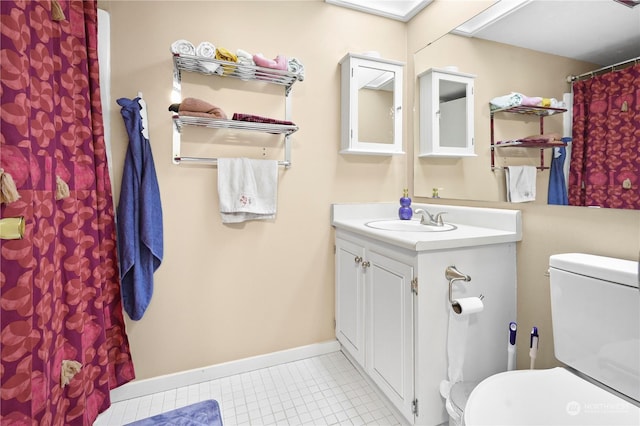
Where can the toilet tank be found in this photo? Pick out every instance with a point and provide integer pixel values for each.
(595, 309)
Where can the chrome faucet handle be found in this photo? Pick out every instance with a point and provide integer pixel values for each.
(423, 217)
(429, 219)
(438, 219)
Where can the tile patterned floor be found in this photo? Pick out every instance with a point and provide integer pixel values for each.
(323, 390)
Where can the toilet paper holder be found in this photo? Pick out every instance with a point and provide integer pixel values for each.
(453, 274)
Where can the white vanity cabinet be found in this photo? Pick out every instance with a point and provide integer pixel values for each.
(371, 105)
(375, 315)
(393, 302)
(446, 114)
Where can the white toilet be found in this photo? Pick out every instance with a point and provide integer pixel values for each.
(595, 307)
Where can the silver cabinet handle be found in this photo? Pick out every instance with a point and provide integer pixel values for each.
(357, 259)
(366, 264)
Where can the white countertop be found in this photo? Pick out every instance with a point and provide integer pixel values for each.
(475, 226)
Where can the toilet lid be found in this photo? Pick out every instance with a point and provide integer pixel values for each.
(545, 397)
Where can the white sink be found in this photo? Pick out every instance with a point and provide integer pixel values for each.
(408, 226)
(474, 226)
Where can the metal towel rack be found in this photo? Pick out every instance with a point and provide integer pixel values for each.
(244, 72)
(213, 123)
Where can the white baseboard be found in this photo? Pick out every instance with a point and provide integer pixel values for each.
(139, 388)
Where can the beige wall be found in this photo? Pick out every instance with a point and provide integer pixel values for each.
(228, 292)
(426, 28)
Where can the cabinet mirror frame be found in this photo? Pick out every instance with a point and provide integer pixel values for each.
(386, 78)
(446, 114)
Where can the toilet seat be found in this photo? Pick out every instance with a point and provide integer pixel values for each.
(545, 397)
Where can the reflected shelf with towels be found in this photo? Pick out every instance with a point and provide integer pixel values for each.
(538, 111)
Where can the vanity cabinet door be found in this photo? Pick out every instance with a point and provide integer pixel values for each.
(390, 329)
(350, 298)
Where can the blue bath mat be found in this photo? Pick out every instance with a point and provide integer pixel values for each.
(205, 413)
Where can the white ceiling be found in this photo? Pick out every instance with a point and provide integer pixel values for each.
(401, 10)
(603, 32)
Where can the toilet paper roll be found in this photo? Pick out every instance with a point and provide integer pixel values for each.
(467, 305)
(456, 349)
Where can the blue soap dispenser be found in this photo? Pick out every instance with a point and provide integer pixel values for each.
(405, 212)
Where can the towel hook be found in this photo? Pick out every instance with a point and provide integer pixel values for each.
(452, 274)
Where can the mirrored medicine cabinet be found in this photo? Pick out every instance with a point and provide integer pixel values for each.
(371, 103)
(446, 113)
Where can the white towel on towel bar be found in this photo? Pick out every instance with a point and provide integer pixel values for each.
(247, 189)
(521, 183)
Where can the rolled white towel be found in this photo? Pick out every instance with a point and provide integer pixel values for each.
(245, 69)
(296, 67)
(183, 47)
(244, 56)
(206, 50)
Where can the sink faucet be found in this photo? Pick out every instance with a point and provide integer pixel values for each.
(428, 219)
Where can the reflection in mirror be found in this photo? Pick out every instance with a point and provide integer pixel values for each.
(502, 68)
(453, 109)
(446, 113)
(375, 98)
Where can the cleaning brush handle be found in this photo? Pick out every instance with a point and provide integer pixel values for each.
(533, 347)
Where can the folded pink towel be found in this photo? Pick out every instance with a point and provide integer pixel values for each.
(203, 114)
(531, 100)
(198, 108)
(279, 63)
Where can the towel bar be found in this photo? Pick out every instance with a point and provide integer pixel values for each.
(214, 161)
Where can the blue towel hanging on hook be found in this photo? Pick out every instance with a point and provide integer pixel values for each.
(557, 186)
(139, 215)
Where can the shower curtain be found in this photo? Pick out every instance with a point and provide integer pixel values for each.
(605, 156)
(63, 342)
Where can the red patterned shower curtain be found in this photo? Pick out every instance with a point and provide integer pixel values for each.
(59, 286)
(605, 156)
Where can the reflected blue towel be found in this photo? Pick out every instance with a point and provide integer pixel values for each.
(557, 186)
(205, 413)
(139, 215)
